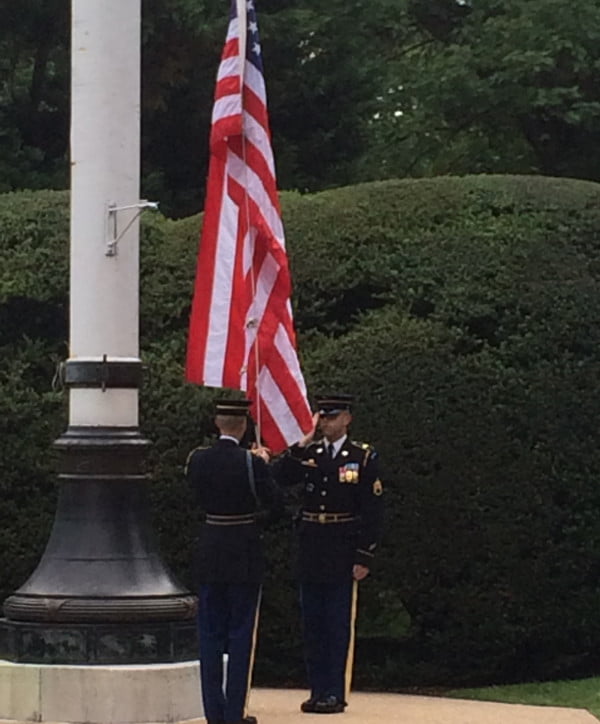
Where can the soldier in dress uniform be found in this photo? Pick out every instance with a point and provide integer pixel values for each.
(339, 527)
(237, 494)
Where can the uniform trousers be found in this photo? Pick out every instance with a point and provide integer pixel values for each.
(227, 623)
(328, 616)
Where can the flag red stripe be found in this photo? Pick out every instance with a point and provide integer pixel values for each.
(228, 86)
(204, 281)
(252, 156)
(277, 440)
(222, 129)
(241, 328)
(282, 375)
(231, 49)
(256, 108)
(236, 340)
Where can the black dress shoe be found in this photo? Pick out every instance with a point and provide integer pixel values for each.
(308, 706)
(249, 720)
(329, 705)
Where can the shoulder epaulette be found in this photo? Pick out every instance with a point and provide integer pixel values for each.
(189, 457)
(367, 449)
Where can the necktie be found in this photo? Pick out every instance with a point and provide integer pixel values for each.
(331, 451)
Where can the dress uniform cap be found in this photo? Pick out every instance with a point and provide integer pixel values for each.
(232, 407)
(334, 404)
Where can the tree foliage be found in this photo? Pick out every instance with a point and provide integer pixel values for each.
(34, 111)
(357, 91)
(493, 86)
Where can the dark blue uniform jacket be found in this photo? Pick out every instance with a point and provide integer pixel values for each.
(348, 486)
(219, 478)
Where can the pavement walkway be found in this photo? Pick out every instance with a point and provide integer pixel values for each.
(281, 706)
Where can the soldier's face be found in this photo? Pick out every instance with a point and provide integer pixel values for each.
(335, 426)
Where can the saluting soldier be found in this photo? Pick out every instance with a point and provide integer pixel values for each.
(339, 528)
(230, 485)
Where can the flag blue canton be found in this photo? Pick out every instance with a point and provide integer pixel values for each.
(253, 51)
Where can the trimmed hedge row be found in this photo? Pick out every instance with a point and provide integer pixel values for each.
(463, 314)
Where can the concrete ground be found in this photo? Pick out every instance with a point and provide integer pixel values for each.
(282, 706)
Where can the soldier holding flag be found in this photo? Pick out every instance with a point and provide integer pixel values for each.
(230, 484)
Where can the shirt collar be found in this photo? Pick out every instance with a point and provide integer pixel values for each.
(337, 445)
(229, 437)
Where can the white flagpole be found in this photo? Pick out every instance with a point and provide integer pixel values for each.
(242, 13)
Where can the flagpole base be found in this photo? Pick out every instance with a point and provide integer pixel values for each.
(100, 644)
(100, 593)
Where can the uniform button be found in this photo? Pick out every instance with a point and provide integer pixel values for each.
(321, 507)
(323, 492)
(325, 479)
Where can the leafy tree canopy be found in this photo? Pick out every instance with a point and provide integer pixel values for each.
(357, 90)
(497, 86)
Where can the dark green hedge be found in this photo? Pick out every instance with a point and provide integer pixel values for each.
(463, 313)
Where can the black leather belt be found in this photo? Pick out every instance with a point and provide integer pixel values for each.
(245, 519)
(327, 517)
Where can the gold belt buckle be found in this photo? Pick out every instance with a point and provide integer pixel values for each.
(322, 517)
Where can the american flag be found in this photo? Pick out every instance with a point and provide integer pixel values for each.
(241, 330)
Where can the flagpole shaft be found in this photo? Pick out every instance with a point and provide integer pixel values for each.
(105, 162)
(242, 33)
(242, 16)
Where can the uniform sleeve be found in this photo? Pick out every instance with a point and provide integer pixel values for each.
(192, 471)
(371, 509)
(268, 492)
(288, 468)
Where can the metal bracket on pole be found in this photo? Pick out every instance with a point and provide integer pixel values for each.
(112, 234)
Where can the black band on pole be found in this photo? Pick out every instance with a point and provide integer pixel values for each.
(103, 374)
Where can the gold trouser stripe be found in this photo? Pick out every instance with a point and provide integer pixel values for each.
(350, 654)
(253, 651)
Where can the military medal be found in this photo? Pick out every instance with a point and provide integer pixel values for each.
(349, 473)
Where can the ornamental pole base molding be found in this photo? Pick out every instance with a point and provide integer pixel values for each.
(101, 593)
(100, 694)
